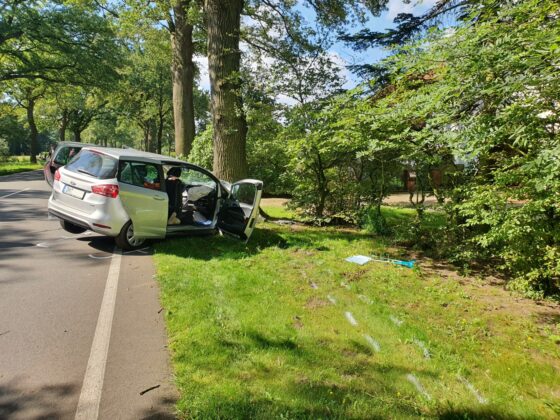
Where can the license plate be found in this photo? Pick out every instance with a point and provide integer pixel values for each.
(74, 192)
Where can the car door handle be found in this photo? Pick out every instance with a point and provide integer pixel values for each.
(157, 197)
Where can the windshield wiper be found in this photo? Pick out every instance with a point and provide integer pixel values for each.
(86, 172)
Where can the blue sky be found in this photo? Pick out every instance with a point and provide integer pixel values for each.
(347, 56)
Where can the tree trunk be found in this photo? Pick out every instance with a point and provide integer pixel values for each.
(228, 118)
(34, 144)
(63, 125)
(151, 139)
(77, 135)
(183, 79)
(160, 132)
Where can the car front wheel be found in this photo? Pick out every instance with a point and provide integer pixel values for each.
(127, 240)
(71, 227)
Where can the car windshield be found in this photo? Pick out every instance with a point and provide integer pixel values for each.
(94, 164)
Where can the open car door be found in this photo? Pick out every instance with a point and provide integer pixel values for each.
(239, 211)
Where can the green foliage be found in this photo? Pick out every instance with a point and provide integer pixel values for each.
(4, 149)
(486, 92)
(56, 42)
(12, 129)
(201, 152)
(472, 112)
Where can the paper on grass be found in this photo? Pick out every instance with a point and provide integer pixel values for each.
(359, 259)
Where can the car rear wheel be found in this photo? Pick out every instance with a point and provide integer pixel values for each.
(127, 240)
(71, 227)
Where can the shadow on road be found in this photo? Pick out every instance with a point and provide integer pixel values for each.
(49, 401)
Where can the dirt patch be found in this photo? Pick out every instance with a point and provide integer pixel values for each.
(351, 276)
(315, 302)
(403, 200)
(490, 290)
(274, 202)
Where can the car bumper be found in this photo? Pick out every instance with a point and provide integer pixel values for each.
(109, 225)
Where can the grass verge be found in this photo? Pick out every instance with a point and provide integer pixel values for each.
(8, 168)
(259, 330)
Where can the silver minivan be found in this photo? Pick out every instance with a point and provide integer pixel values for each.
(133, 196)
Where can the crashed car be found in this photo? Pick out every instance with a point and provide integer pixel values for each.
(62, 154)
(134, 196)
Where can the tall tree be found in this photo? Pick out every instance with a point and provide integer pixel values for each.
(180, 18)
(27, 94)
(183, 70)
(224, 61)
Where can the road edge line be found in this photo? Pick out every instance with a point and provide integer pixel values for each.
(92, 386)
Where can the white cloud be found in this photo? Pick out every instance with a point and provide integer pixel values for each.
(399, 6)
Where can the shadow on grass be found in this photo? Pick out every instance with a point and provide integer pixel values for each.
(226, 247)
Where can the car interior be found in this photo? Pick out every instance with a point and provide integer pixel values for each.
(193, 196)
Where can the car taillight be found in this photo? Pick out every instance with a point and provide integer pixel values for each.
(57, 175)
(108, 190)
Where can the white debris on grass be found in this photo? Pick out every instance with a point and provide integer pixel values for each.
(346, 286)
(398, 322)
(472, 389)
(313, 285)
(331, 299)
(365, 299)
(359, 259)
(423, 347)
(416, 382)
(373, 343)
(350, 318)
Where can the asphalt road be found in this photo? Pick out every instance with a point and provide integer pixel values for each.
(52, 286)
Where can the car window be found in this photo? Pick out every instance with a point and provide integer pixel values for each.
(244, 193)
(93, 163)
(192, 177)
(65, 154)
(141, 174)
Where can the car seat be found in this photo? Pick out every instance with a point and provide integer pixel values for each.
(174, 188)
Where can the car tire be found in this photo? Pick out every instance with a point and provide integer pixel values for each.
(126, 239)
(71, 227)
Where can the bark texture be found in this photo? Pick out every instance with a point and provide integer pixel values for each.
(63, 125)
(183, 78)
(228, 117)
(34, 133)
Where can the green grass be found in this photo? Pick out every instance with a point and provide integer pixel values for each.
(279, 212)
(19, 165)
(251, 338)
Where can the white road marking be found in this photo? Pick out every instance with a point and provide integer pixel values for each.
(104, 257)
(373, 343)
(142, 250)
(350, 318)
(473, 390)
(90, 396)
(63, 238)
(416, 382)
(331, 299)
(14, 193)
